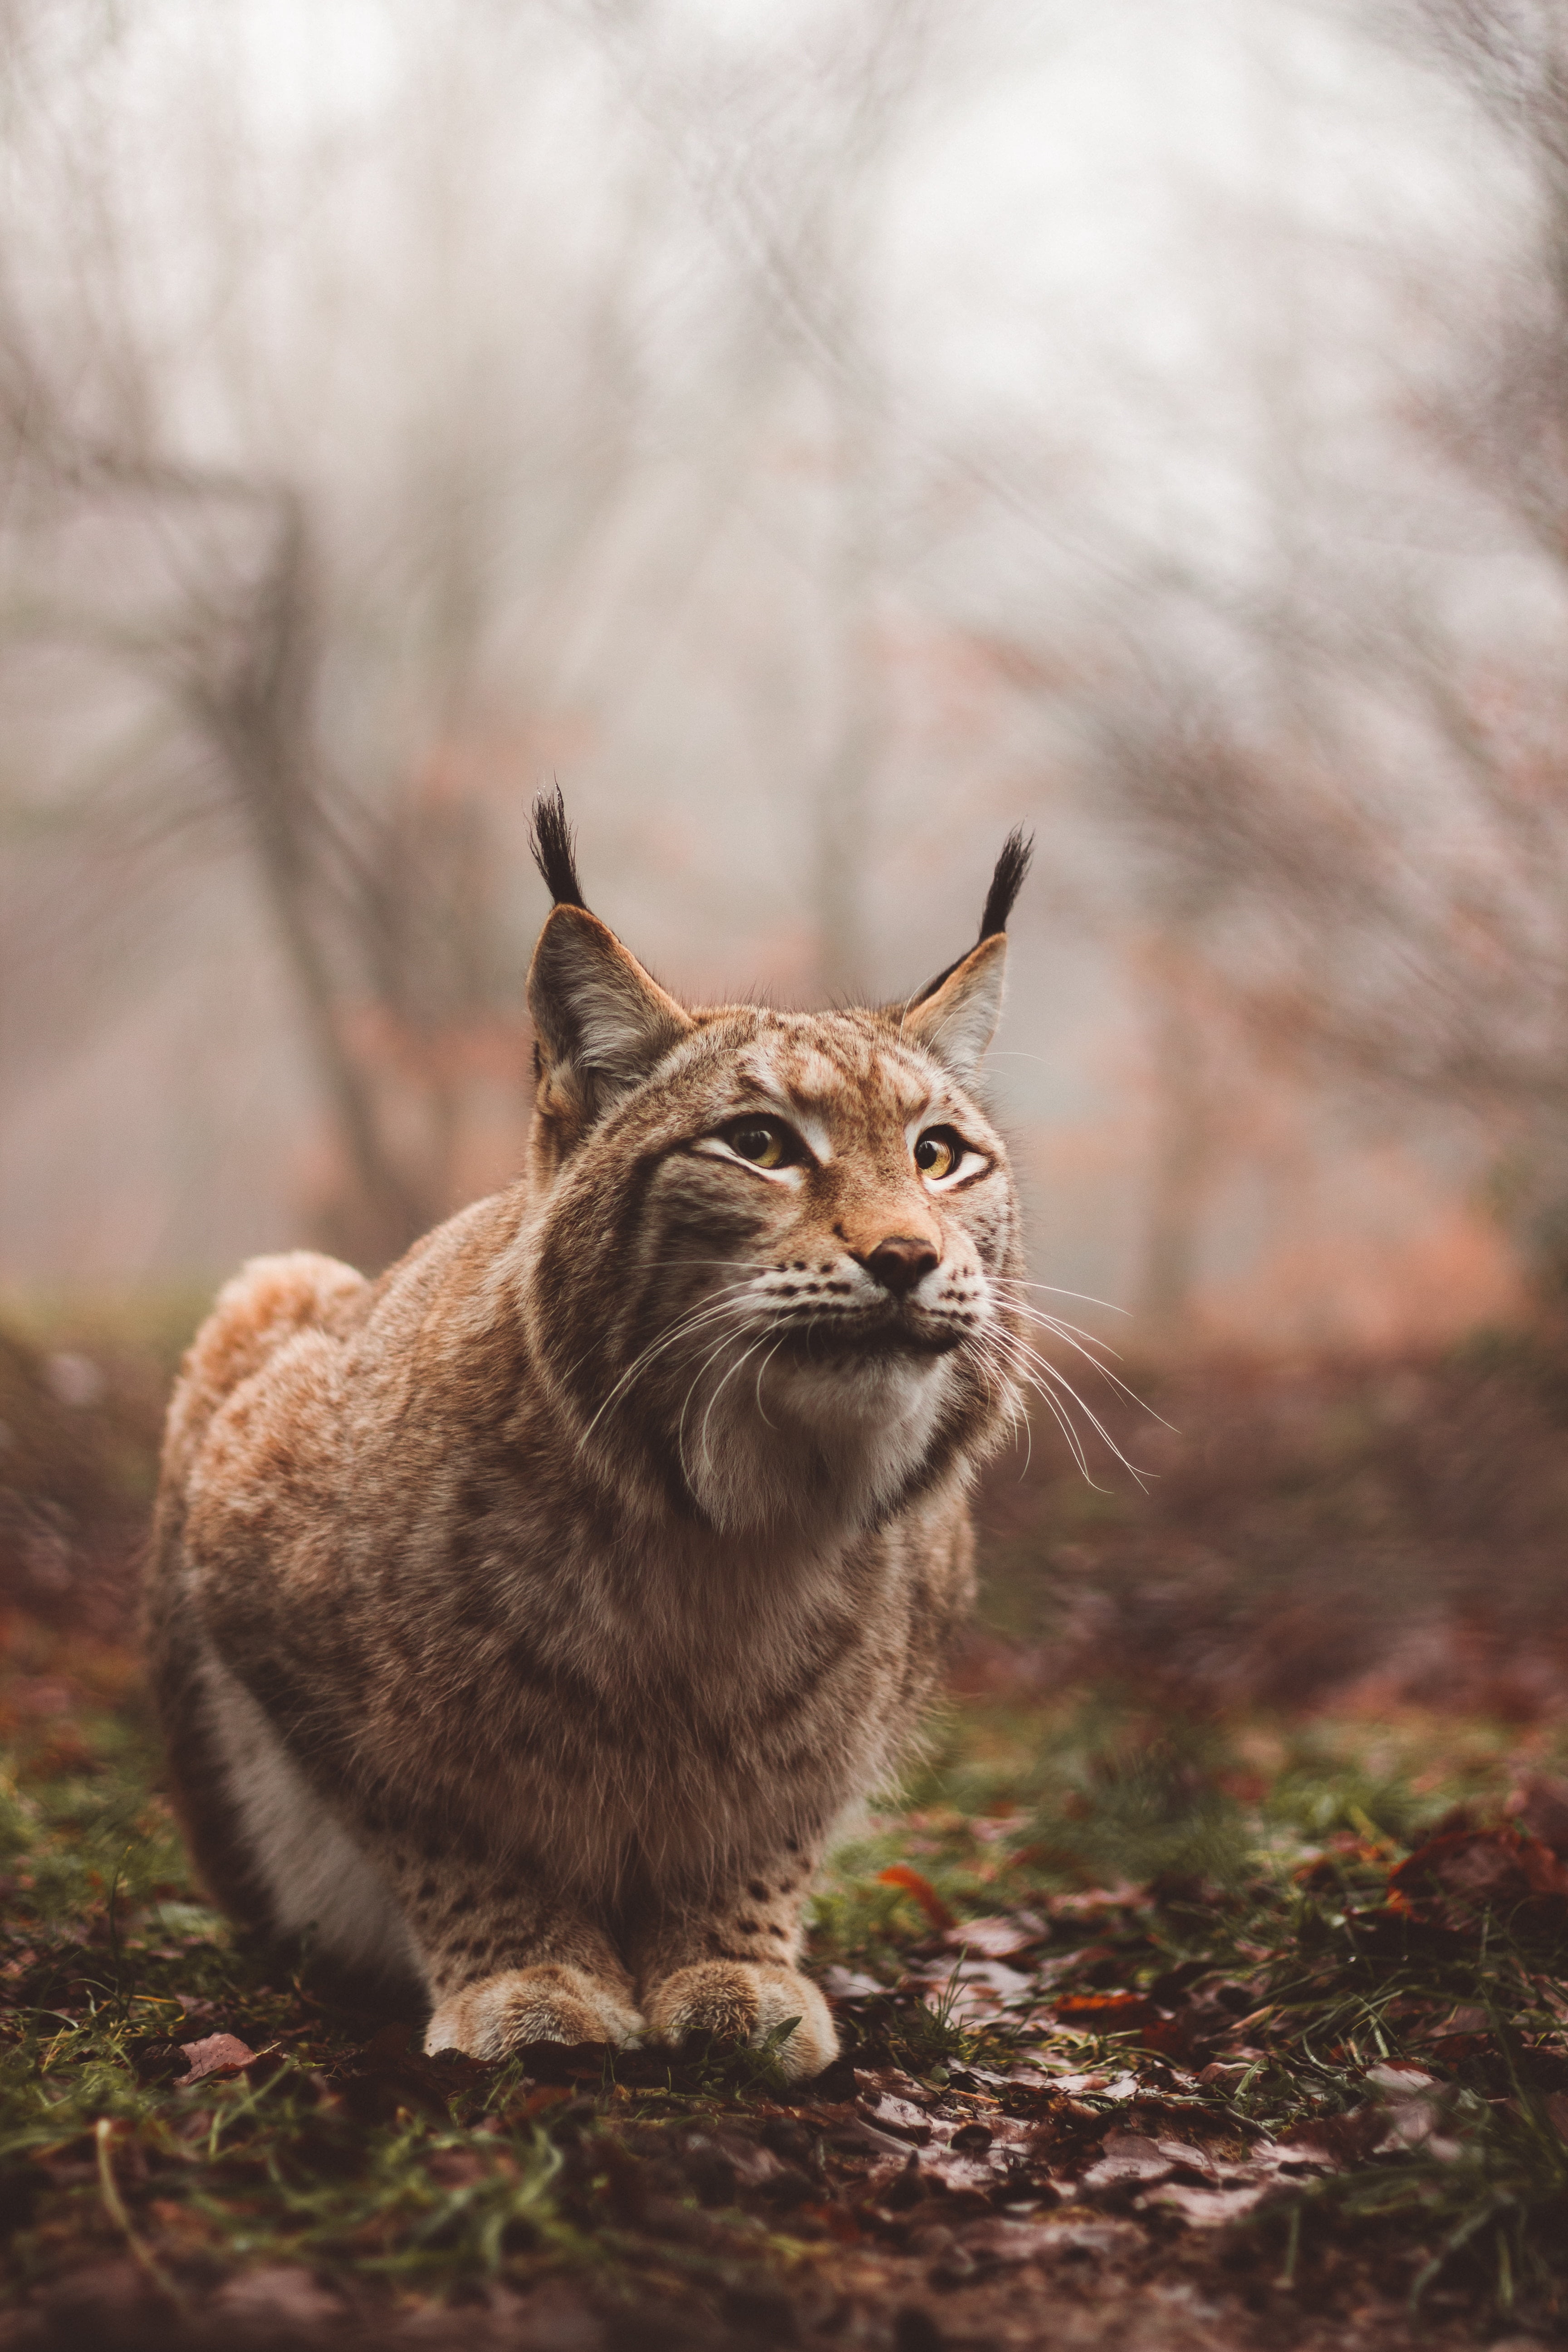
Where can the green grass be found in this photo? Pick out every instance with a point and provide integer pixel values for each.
(1244, 1878)
(1261, 1858)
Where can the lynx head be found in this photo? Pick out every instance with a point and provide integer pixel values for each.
(773, 1253)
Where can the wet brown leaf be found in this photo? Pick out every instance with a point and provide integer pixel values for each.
(911, 1882)
(218, 2054)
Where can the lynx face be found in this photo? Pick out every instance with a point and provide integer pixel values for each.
(770, 1275)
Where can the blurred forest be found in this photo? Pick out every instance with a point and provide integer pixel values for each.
(820, 438)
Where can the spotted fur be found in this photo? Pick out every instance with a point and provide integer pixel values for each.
(524, 1622)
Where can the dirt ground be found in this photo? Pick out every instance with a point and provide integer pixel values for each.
(1206, 1985)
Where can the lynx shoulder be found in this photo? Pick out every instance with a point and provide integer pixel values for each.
(523, 1622)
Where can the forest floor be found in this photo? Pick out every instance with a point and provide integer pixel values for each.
(1207, 1984)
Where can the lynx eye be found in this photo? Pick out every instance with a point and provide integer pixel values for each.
(762, 1142)
(939, 1151)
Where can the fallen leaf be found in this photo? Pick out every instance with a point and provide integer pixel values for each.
(848, 1984)
(991, 1981)
(1112, 2013)
(995, 1940)
(548, 2094)
(219, 2053)
(1465, 2023)
(1401, 2078)
(1452, 2049)
(962, 2169)
(875, 2137)
(1539, 1804)
(1182, 2152)
(1130, 2156)
(899, 1875)
(1091, 1900)
(1209, 2209)
(1011, 2242)
(1099, 2086)
(1174, 2037)
(894, 2115)
(890, 2082)
(1482, 1865)
(1337, 2139)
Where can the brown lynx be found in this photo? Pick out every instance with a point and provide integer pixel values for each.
(524, 1620)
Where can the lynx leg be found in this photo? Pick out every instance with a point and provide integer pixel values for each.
(547, 2003)
(746, 2001)
(732, 1970)
(502, 1965)
(504, 1969)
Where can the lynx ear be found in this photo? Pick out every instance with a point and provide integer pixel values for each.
(602, 1021)
(955, 1016)
(958, 1020)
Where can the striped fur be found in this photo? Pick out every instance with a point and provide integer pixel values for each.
(526, 1618)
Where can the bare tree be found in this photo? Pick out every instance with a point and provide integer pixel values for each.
(1347, 787)
(533, 403)
(310, 641)
(324, 531)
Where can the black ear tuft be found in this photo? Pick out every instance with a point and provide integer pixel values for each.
(556, 851)
(1006, 882)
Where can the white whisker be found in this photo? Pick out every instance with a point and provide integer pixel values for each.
(990, 1361)
(711, 1357)
(1075, 1442)
(724, 1304)
(1082, 1343)
(1037, 1368)
(743, 1358)
(1056, 1322)
(767, 1360)
(1065, 1331)
(710, 1298)
(1018, 1282)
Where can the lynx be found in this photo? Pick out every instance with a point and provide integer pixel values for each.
(523, 1622)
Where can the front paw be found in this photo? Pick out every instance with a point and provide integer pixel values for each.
(551, 2003)
(745, 2001)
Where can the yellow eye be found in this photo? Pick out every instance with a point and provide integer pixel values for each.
(761, 1142)
(939, 1151)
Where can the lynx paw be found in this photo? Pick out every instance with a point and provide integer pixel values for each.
(549, 2003)
(745, 2001)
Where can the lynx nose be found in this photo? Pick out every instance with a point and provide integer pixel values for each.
(899, 1262)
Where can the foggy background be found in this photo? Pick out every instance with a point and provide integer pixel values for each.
(821, 436)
